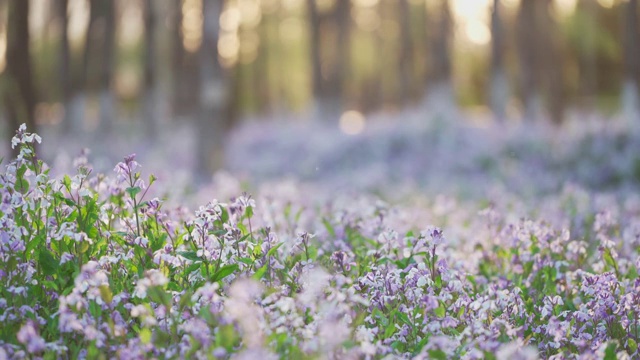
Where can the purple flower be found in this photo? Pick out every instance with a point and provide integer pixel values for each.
(28, 336)
(126, 168)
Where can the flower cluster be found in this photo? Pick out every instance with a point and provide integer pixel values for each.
(89, 265)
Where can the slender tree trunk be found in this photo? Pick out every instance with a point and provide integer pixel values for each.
(314, 47)
(261, 67)
(440, 99)
(107, 98)
(337, 93)
(76, 111)
(19, 91)
(423, 50)
(630, 100)
(213, 94)
(151, 103)
(551, 63)
(268, 69)
(442, 45)
(528, 53)
(499, 82)
(177, 59)
(405, 60)
(588, 66)
(64, 66)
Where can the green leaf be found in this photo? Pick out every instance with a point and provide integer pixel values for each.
(224, 215)
(439, 311)
(145, 336)
(51, 285)
(313, 252)
(106, 294)
(190, 255)
(84, 246)
(610, 352)
(141, 205)
(158, 295)
(610, 260)
(48, 263)
(133, 191)
(330, 230)
(274, 249)
(246, 260)
(437, 354)
(22, 185)
(383, 318)
(389, 330)
(398, 346)
(66, 181)
(260, 273)
(224, 271)
(633, 346)
(191, 268)
(227, 337)
(257, 251)
(34, 243)
(404, 318)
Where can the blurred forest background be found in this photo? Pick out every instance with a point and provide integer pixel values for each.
(89, 66)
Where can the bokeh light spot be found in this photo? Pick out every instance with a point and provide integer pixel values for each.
(352, 122)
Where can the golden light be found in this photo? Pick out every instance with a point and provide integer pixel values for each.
(230, 19)
(132, 27)
(291, 29)
(469, 10)
(192, 24)
(472, 19)
(511, 4)
(478, 32)
(127, 82)
(78, 20)
(269, 6)
(325, 6)
(292, 5)
(366, 3)
(249, 43)
(565, 7)
(366, 18)
(38, 16)
(352, 122)
(607, 3)
(228, 46)
(391, 29)
(250, 12)
(3, 50)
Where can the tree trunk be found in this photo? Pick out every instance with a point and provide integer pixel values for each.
(440, 98)
(316, 61)
(107, 98)
(19, 91)
(328, 81)
(65, 60)
(552, 62)
(151, 113)
(405, 60)
(587, 60)
(528, 53)
(337, 92)
(630, 100)
(213, 94)
(76, 111)
(177, 60)
(499, 82)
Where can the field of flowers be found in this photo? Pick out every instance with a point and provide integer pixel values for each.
(98, 265)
